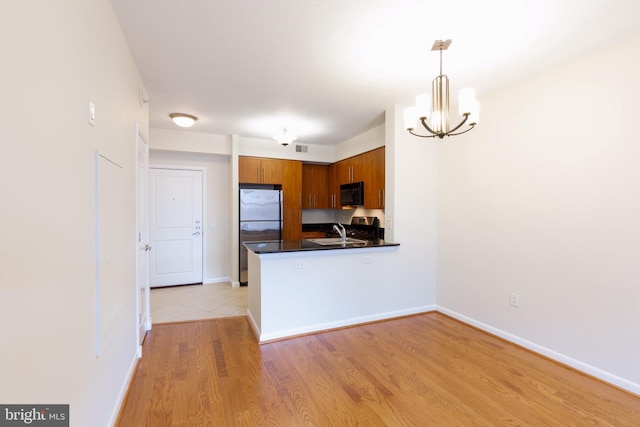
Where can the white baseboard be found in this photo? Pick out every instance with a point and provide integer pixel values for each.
(254, 325)
(318, 327)
(125, 388)
(558, 357)
(209, 280)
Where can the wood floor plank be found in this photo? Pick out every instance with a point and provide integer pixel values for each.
(420, 370)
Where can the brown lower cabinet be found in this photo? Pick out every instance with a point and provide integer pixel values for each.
(313, 234)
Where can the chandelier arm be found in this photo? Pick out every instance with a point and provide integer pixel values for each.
(423, 120)
(464, 131)
(421, 136)
(466, 116)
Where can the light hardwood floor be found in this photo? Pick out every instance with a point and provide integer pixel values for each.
(197, 302)
(423, 370)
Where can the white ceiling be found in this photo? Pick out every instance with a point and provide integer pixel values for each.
(329, 68)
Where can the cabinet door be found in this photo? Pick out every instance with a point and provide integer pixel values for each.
(343, 171)
(291, 194)
(333, 186)
(314, 186)
(292, 184)
(249, 170)
(374, 175)
(272, 171)
(350, 170)
(320, 185)
(357, 169)
(292, 224)
(307, 186)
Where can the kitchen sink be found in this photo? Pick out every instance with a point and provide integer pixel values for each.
(337, 241)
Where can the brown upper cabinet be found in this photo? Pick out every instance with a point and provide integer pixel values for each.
(368, 167)
(259, 170)
(350, 170)
(373, 167)
(315, 186)
(333, 183)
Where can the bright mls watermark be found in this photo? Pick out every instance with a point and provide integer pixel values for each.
(34, 415)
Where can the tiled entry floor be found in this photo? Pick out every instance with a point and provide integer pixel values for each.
(197, 302)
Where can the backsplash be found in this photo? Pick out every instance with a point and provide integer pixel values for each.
(343, 216)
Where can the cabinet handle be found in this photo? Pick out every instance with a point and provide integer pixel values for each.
(314, 200)
(379, 197)
(257, 174)
(309, 204)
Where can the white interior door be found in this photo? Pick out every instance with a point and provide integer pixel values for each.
(142, 217)
(175, 208)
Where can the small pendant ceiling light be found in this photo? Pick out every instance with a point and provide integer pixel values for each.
(183, 120)
(433, 111)
(285, 137)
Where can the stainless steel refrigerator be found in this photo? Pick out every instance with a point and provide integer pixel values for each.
(260, 220)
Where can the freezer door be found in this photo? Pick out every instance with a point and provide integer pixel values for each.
(255, 231)
(252, 231)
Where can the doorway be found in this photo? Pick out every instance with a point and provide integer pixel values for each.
(175, 226)
(142, 229)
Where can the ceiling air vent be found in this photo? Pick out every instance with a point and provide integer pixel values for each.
(301, 148)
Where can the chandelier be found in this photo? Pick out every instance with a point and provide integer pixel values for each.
(285, 137)
(433, 110)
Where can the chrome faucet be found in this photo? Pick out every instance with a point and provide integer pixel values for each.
(341, 231)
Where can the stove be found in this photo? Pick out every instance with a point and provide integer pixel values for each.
(364, 227)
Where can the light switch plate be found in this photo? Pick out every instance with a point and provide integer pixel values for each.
(92, 113)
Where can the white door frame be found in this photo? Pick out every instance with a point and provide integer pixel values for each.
(204, 204)
(142, 241)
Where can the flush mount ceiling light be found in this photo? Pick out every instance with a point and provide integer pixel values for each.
(285, 137)
(433, 112)
(183, 120)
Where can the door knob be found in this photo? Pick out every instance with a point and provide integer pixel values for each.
(197, 233)
(147, 248)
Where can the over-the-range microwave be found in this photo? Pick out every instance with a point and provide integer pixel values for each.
(352, 194)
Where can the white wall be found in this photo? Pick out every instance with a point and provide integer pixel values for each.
(217, 261)
(410, 208)
(366, 141)
(57, 56)
(542, 199)
(259, 147)
(189, 141)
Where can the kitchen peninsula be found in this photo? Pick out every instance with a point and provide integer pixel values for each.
(302, 286)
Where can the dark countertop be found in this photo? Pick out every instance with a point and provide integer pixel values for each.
(279, 246)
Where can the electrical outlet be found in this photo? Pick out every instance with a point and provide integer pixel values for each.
(298, 265)
(515, 299)
(367, 259)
